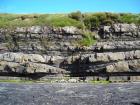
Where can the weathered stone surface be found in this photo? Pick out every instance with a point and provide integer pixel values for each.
(121, 66)
(118, 45)
(70, 30)
(20, 57)
(72, 59)
(128, 27)
(46, 29)
(21, 29)
(124, 66)
(111, 56)
(35, 29)
(102, 57)
(129, 55)
(43, 68)
(56, 59)
(29, 68)
(134, 65)
(38, 39)
(30, 63)
(51, 50)
(137, 54)
(36, 58)
(72, 80)
(92, 58)
(116, 56)
(8, 66)
(110, 68)
(116, 27)
(120, 30)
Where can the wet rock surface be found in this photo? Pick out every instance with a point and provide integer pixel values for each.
(70, 94)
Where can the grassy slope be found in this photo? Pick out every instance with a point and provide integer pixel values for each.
(77, 19)
(14, 20)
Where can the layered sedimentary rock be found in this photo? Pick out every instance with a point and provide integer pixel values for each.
(36, 49)
(126, 31)
(43, 49)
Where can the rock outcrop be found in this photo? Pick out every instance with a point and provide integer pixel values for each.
(119, 30)
(43, 49)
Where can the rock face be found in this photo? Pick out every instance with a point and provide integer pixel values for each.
(120, 30)
(37, 49)
(43, 49)
(29, 67)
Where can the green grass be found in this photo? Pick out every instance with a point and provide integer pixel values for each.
(82, 20)
(57, 20)
(64, 21)
(130, 18)
(88, 39)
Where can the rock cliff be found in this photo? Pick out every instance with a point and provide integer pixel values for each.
(43, 49)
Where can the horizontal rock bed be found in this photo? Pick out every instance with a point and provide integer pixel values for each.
(52, 50)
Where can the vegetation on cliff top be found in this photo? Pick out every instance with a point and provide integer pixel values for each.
(77, 19)
(85, 21)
